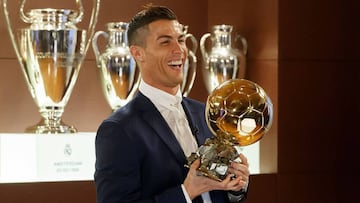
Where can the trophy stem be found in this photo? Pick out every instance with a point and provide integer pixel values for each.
(51, 123)
(48, 126)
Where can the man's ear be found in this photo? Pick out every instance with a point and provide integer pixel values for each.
(137, 52)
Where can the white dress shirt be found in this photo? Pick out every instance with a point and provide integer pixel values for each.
(171, 109)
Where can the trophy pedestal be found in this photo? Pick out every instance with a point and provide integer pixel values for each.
(51, 127)
(216, 156)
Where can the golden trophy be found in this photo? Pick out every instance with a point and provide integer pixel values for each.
(238, 113)
(118, 72)
(50, 52)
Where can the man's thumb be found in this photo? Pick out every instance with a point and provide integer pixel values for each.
(195, 165)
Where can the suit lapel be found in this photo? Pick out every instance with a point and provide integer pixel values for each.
(153, 117)
(192, 116)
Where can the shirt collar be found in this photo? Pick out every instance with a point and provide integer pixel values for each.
(160, 98)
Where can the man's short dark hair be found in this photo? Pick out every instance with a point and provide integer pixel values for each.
(142, 19)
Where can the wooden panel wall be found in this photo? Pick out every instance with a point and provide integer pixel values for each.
(318, 94)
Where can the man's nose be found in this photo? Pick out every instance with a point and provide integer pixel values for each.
(179, 48)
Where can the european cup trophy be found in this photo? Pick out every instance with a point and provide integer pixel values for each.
(222, 61)
(238, 113)
(117, 69)
(50, 52)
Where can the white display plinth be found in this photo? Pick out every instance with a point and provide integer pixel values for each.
(63, 157)
(39, 158)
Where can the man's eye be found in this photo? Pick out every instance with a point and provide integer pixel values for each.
(165, 42)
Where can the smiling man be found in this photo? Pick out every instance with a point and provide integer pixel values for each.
(141, 149)
(160, 54)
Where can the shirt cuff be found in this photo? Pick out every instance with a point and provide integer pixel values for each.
(188, 200)
(237, 196)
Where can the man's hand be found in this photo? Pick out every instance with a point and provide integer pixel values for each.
(237, 179)
(240, 170)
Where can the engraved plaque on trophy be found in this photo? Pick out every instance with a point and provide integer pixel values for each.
(50, 52)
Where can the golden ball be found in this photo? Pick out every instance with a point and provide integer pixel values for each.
(239, 110)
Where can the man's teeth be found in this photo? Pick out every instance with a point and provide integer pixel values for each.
(175, 63)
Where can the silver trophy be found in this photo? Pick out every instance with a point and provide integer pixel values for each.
(118, 72)
(223, 61)
(50, 52)
(190, 64)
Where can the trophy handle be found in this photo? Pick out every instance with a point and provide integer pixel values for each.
(204, 53)
(81, 11)
(92, 23)
(242, 67)
(193, 41)
(95, 46)
(191, 70)
(243, 42)
(22, 15)
(28, 20)
(13, 41)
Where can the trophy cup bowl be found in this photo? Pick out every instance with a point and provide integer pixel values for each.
(238, 113)
(50, 52)
(118, 72)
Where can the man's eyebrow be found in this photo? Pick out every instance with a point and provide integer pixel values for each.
(170, 37)
(164, 36)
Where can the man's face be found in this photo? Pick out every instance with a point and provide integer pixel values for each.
(164, 54)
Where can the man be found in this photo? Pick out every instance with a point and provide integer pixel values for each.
(140, 149)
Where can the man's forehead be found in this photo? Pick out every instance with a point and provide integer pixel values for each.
(174, 26)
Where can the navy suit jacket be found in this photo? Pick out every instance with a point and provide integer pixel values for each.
(138, 158)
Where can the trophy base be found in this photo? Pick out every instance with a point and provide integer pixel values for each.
(44, 127)
(215, 157)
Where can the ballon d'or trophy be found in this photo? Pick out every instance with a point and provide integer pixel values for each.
(50, 52)
(117, 69)
(223, 60)
(238, 113)
(190, 64)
